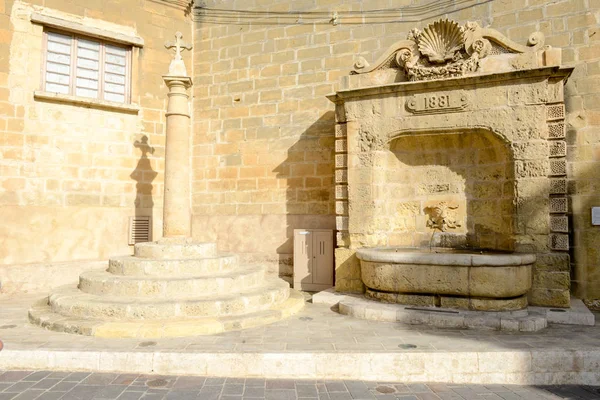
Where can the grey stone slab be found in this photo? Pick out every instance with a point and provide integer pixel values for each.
(110, 392)
(152, 396)
(82, 392)
(210, 392)
(234, 389)
(214, 381)
(126, 395)
(280, 384)
(14, 376)
(255, 382)
(76, 377)
(46, 383)
(280, 394)
(99, 379)
(8, 396)
(235, 381)
(254, 392)
(340, 396)
(189, 382)
(63, 386)
(509, 396)
(335, 387)
(50, 396)
(4, 385)
(58, 375)
(125, 379)
(306, 390)
(30, 394)
(429, 396)
(20, 386)
(36, 376)
(230, 397)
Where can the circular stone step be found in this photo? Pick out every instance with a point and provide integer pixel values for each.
(41, 314)
(104, 283)
(70, 301)
(172, 251)
(135, 266)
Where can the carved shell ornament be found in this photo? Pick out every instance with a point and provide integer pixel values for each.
(445, 49)
(441, 40)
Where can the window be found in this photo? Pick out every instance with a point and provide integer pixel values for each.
(90, 68)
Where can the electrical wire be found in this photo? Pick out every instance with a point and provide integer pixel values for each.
(390, 15)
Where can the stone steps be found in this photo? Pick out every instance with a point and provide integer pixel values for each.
(174, 287)
(136, 266)
(42, 314)
(71, 301)
(107, 284)
(166, 250)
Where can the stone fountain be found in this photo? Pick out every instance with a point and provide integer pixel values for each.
(451, 180)
(175, 286)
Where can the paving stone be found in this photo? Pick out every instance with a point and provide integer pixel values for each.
(50, 396)
(280, 384)
(214, 381)
(63, 386)
(340, 396)
(335, 387)
(280, 394)
(109, 392)
(130, 395)
(99, 379)
(189, 382)
(233, 389)
(46, 383)
(14, 376)
(76, 377)
(30, 394)
(36, 376)
(255, 392)
(306, 390)
(19, 387)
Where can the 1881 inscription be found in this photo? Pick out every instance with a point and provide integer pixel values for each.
(437, 102)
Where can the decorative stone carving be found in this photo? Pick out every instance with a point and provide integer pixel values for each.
(444, 49)
(442, 217)
(177, 67)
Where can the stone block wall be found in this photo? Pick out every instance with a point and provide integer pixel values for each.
(264, 132)
(71, 175)
(472, 172)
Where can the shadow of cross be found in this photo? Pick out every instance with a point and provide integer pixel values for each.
(143, 175)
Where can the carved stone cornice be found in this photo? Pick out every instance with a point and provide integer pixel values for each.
(445, 49)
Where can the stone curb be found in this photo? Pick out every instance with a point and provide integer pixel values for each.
(553, 367)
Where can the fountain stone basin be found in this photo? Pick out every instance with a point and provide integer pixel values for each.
(465, 279)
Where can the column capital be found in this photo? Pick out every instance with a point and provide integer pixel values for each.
(174, 81)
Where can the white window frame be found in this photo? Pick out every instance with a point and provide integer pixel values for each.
(75, 37)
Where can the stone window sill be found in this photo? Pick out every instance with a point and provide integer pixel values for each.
(85, 102)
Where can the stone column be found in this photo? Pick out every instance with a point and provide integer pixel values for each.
(177, 208)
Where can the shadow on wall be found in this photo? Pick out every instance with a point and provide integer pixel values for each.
(470, 172)
(308, 172)
(143, 175)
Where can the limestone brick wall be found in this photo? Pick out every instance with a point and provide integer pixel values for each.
(71, 175)
(264, 132)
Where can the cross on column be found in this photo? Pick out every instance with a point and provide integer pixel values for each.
(179, 45)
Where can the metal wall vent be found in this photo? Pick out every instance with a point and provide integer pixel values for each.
(140, 229)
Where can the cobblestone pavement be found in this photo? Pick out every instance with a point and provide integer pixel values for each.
(48, 385)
